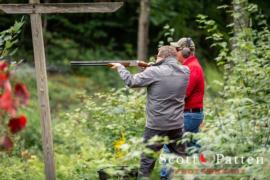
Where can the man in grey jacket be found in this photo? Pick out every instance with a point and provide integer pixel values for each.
(166, 83)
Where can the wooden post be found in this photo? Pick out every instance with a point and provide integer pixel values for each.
(143, 28)
(42, 88)
(35, 9)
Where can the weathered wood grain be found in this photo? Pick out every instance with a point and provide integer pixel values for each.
(42, 88)
(46, 8)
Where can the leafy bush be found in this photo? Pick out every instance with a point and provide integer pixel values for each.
(104, 132)
(237, 123)
(9, 40)
(115, 118)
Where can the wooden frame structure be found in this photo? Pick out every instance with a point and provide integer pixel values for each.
(35, 9)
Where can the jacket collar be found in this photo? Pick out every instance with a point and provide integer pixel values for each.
(168, 60)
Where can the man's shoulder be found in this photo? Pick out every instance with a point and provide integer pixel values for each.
(152, 70)
(185, 69)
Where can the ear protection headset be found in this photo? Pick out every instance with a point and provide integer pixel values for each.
(186, 51)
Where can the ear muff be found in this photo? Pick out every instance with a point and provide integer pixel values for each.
(186, 50)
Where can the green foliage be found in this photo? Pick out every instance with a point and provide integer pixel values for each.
(13, 167)
(168, 33)
(9, 38)
(115, 114)
(101, 129)
(237, 124)
(62, 97)
(105, 129)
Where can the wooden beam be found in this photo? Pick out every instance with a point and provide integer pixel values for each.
(42, 88)
(46, 8)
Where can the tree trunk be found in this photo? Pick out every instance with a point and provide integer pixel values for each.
(240, 21)
(240, 17)
(143, 28)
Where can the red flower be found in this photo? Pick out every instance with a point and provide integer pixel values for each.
(3, 78)
(3, 73)
(22, 92)
(3, 65)
(6, 143)
(7, 86)
(6, 103)
(17, 124)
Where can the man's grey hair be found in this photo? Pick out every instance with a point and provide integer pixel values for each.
(167, 51)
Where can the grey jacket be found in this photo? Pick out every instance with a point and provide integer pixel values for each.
(166, 84)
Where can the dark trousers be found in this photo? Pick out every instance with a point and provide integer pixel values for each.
(192, 122)
(147, 161)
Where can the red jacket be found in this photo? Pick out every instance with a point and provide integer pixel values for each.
(195, 89)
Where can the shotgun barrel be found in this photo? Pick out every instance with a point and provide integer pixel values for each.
(126, 63)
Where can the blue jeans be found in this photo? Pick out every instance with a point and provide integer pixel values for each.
(192, 122)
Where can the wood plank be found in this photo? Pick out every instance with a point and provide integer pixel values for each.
(46, 8)
(43, 96)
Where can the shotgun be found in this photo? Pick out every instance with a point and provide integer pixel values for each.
(126, 63)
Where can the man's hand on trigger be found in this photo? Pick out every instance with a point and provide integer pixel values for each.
(114, 65)
(142, 65)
